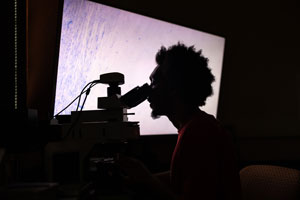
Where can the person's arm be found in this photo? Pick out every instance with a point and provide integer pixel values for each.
(138, 175)
(164, 177)
(161, 190)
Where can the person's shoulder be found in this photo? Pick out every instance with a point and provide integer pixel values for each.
(204, 125)
(202, 131)
(203, 120)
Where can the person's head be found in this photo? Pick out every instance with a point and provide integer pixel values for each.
(182, 74)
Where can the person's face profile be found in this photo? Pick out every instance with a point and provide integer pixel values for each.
(155, 90)
(159, 98)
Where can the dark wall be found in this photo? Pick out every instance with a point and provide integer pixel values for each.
(42, 35)
(261, 95)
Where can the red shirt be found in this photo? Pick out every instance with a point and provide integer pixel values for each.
(203, 164)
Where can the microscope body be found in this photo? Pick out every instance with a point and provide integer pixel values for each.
(95, 139)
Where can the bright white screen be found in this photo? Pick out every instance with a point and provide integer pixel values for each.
(97, 39)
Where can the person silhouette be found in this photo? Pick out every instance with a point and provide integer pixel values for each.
(204, 164)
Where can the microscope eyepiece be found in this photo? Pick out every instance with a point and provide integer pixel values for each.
(136, 96)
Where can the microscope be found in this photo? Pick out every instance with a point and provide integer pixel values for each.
(95, 139)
